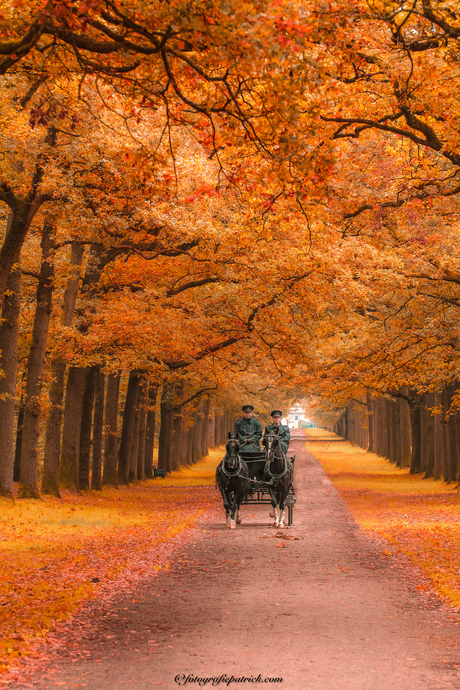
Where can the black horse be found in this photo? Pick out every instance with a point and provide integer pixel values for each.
(278, 475)
(232, 479)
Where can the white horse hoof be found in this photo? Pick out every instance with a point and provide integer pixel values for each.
(232, 524)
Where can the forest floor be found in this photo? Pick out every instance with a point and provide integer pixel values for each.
(419, 517)
(56, 553)
(322, 605)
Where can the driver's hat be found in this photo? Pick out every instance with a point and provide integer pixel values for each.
(245, 408)
(276, 413)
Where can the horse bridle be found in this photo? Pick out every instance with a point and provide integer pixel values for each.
(268, 462)
(238, 456)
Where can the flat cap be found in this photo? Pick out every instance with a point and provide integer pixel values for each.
(245, 408)
(276, 413)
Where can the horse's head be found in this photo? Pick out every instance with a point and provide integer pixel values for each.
(271, 443)
(232, 447)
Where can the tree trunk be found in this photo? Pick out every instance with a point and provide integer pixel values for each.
(84, 458)
(18, 447)
(50, 481)
(142, 429)
(19, 220)
(135, 439)
(9, 332)
(127, 431)
(166, 424)
(204, 427)
(370, 413)
(98, 430)
(414, 406)
(197, 432)
(150, 430)
(177, 428)
(438, 440)
(111, 437)
(68, 468)
(28, 484)
(427, 436)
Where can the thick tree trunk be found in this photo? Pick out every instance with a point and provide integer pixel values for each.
(98, 430)
(177, 429)
(451, 423)
(414, 406)
(135, 439)
(405, 432)
(18, 446)
(68, 468)
(204, 426)
(9, 331)
(84, 460)
(424, 430)
(438, 440)
(197, 435)
(150, 430)
(397, 432)
(142, 429)
(210, 436)
(111, 437)
(28, 484)
(50, 482)
(127, 431)
(427, 451)
(370, 413)
(166, 425)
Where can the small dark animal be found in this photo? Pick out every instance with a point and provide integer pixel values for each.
(232, 479)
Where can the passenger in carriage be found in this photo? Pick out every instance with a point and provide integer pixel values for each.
(283, 430)
(249, 430)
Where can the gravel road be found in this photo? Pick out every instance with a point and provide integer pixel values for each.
(317, 605)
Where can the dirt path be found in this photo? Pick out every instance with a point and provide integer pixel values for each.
(316, 605)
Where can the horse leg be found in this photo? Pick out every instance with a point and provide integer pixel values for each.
(281, 517)
(226, 501)
(232, 524)
(283, 497)
(274, 512)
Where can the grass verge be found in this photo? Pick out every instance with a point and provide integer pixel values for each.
(420, 517)
(53, 553)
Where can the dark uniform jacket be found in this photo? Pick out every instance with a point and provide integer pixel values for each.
(249, 433)
(284, 435)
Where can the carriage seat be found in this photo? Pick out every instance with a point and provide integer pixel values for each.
(255, 460)
(158, 473)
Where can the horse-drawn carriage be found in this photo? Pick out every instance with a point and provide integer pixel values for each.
(257, 477)
(260, 491)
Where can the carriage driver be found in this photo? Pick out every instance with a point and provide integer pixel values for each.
(249, 430)
(283, 430)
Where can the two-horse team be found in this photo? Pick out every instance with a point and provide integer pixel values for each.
(246, 471)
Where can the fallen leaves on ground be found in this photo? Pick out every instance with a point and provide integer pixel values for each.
(421, 517)
(57, 553)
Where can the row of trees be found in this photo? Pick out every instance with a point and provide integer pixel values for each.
(420, 431)
(243, 199)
